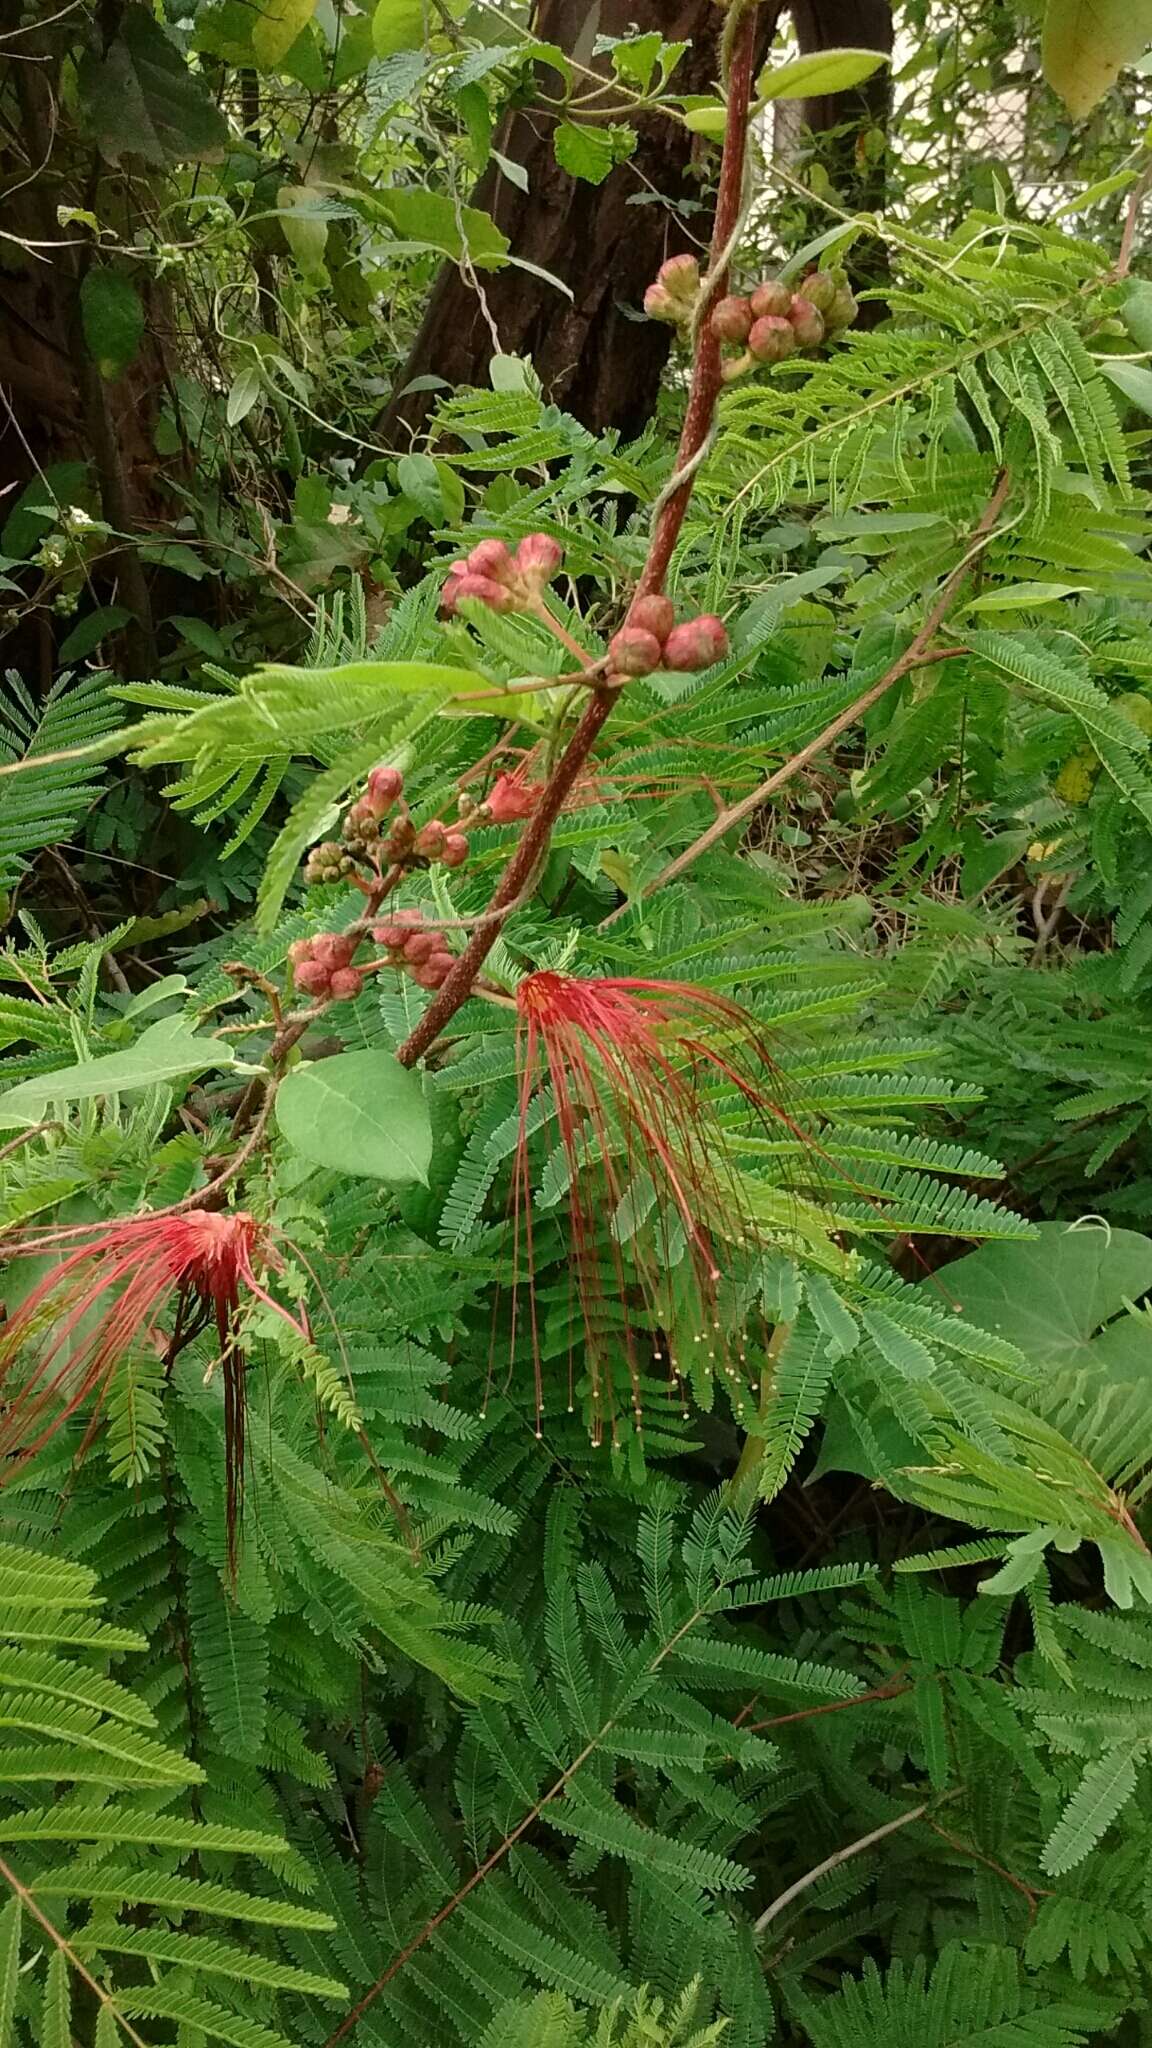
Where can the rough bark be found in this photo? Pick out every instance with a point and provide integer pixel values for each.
(594, 357)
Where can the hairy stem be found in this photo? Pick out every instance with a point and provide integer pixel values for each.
(702, 396)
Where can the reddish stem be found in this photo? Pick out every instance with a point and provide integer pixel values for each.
(702, 396)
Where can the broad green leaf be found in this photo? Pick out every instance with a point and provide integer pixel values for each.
(1134, 382)
(399, 25)
(1086, 43)
(635, 60)
(1051, 1294)
(167, 1051)
(1022, 597)
(820, 72)
(419, 479)
(359, 1112)
(588, 152)
(276, 27)
(141, 99)
(436, 220)
(89, 631)
(243, 395)
(112, 316)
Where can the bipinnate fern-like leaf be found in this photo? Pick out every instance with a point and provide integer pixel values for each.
(976, 1997)
(64, 1721)
(41, 803)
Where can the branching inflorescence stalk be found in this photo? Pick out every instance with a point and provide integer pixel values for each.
(703, 393)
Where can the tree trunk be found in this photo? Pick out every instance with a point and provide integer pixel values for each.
(593, 355)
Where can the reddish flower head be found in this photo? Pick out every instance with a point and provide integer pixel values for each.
(651, 1189)
(511, 799)
(107, 1296)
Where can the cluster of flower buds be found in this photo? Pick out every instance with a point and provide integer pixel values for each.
(652, 639)
(774, 321)
(416, 948)
(322, 966)
(504, 581)
(367, 838)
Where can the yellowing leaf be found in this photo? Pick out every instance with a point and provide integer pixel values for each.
(822, 71)
(1136, 708)
(1077, 777)
(1085, 44)
(276, 28)
(398, 25)
(707, 117)
(305, 230)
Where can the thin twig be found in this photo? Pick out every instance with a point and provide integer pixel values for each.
(844, 1855)
(68, 1952)
(917, 655)
(546, 1799)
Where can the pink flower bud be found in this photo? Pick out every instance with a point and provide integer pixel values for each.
(807, 324)
(420, 946)
(489, 558)
(696, 643)
(772, 298)
(633, 652)
(333, 949)
(451, 590)
(434, 972)
(300, 949)
(455, 850)
(345, 984)
(392, 935)
(731, 320)
(819, 288)
(660, 305)
(653, 615)
(680, 276)
(485, 590)
(429, 843)
(510, 799)
(382, 790)
(537, 559)
(772, 339)
(312, 978)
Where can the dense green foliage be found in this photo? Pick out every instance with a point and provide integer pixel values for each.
(586, 1580)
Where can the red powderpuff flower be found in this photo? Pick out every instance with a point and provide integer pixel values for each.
(106, 1297)
(628, 1063)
